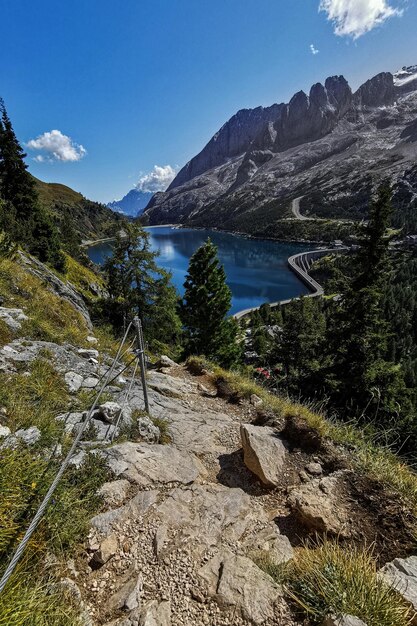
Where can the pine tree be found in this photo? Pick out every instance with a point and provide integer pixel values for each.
(204, 308)
(26, 221)
(366, 383)
(137, 286)
(301, 347)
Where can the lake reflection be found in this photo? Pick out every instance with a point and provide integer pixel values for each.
(257, 271)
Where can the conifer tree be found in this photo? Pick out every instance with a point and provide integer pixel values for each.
(137, 286)
(204, 308)
(366, 382)
(26, 221)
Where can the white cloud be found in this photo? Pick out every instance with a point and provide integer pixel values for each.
(157, 179)
(313, 49)
(354, 18)
(55, 146)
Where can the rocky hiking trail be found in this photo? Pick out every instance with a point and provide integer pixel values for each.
(183, 524)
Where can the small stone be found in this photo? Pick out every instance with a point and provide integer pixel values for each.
(29, 436)
(255, 400)
(73, 381)
(108, 548)
(343, 620)
(88, 353)
(147, 430)
(165, 361)
(4, 431)
(90, 382)
(304, 477)
(160, 539)
(314, 468)
(92, 340)
(114, 492)
(109, 412)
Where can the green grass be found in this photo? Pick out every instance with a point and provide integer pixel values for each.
(328, 579)
(35, 400)
(370, 457)
(6, 334)
(51, 318)
(30, 598)
(82, 278)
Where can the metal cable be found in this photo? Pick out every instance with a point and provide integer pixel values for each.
(125, 399)
(38, 515)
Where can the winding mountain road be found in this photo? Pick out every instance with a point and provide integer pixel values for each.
(295, 208)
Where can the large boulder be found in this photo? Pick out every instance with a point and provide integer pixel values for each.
(145, 464)
(319, 505)
(401, 574)
(236, 583)
(115, 492)
(264, 453)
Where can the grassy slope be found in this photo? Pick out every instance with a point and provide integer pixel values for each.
(91, 220)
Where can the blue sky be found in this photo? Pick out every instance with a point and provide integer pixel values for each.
(131, 84)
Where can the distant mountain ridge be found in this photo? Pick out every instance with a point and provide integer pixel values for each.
(133, 203)
(330, 143)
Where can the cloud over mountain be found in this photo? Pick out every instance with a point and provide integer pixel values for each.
(157, 179)
(55, 146)
(354, 18)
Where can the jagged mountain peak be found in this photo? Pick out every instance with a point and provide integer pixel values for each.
(329, 138)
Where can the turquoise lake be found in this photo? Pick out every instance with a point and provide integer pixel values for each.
(256, 270)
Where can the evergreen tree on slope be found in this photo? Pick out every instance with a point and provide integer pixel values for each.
(22, 216)
(204, 308)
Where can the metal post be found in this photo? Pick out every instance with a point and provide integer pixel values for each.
(141, 356)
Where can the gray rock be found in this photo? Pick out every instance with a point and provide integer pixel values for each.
(270, 541)
(55, 284)
(255, 400)
(73, 381)
(208, 514)
(90, 382)
(315, 469)
(109, 412)
(92, 340)
(137, 507)
(236, 582)
(343, 620)
(114, 493)
(264, 453)
(88, 353)
(70, 420)
(147, 429)
(318, 505)
(108, 548)
(156, 613)
(128, 597)
(13, 318)
(199, 432)
(28, 436)
(165, 361)
(145, 464)
(4, 431)
(401, 574)
(78, 459)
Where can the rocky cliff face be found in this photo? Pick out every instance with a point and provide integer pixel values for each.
(329, 141)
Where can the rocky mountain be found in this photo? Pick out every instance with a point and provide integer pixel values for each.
(327, 147)
(133, 203)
